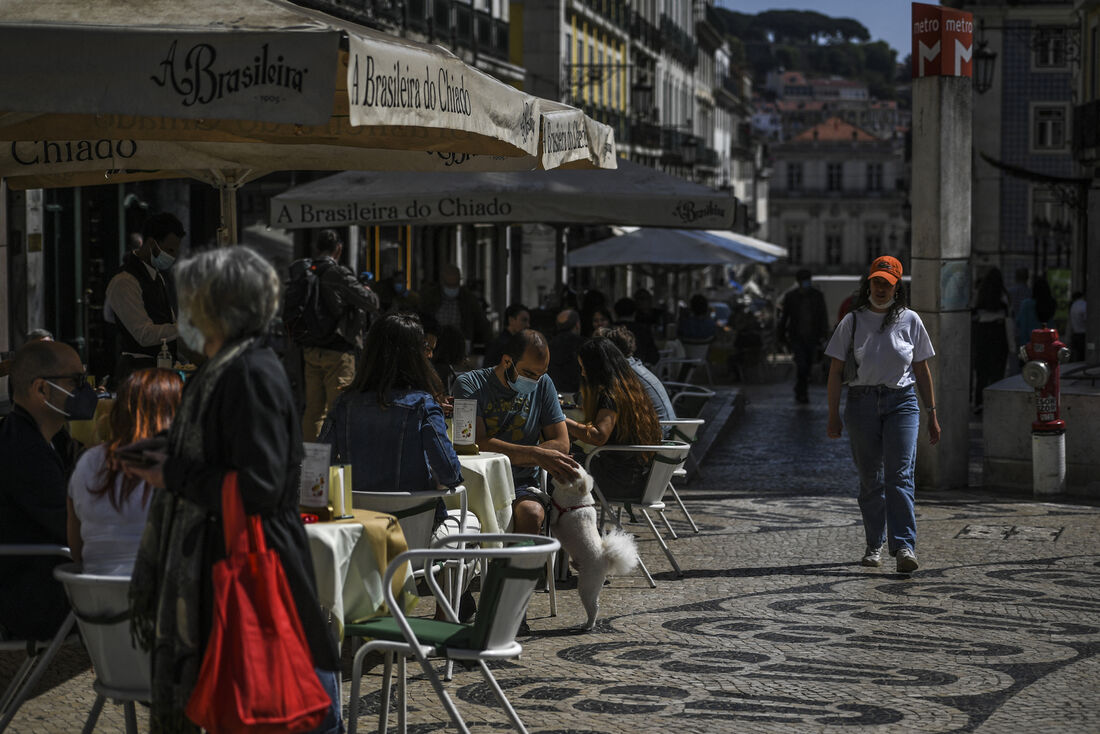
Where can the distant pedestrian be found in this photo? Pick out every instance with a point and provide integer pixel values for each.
(990, 328)
(564, 368)
(345, 307)
(516, 318)
(453, 304)
(1035, 310)
(803, 325)
(1018, 291)
(892, 350)
(626, 314)
(1078, 324)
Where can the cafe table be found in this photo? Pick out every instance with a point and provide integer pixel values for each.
(350, 557)
(490, 489)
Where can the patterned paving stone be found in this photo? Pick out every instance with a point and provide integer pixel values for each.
(775, 627)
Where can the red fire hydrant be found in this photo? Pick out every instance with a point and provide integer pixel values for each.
(1042, 356)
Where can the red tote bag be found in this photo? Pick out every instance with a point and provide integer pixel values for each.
(257, 675)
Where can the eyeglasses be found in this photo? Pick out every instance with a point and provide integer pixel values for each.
(76, 377)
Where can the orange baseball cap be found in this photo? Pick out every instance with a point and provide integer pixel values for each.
(886, 267)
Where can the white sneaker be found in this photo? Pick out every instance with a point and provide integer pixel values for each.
(907, 561)
(872, 557)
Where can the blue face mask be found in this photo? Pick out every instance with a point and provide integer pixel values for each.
(522, 385)
(162, 260)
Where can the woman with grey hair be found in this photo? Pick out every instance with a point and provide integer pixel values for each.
(237, 414)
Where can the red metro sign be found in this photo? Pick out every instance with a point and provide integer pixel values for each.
(943, 41)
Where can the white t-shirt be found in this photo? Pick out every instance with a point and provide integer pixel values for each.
(884, 357)
(111, 537)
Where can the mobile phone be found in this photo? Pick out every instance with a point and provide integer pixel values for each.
(146, 452)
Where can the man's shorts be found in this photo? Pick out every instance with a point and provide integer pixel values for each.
(533, 493)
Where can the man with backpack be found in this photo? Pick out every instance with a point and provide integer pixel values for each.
(327, 311)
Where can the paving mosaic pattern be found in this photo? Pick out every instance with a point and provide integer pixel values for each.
(776, 628)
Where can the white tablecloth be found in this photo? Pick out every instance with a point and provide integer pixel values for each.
(349, 558)
(490, 490)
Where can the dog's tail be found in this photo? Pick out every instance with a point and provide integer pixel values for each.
(620, 552)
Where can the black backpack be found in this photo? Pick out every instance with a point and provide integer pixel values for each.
(308, 321)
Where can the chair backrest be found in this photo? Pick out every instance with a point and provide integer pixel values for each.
(689, 403)
(102, 608)
(697, 351)
(506, 588)
(665, 462)
(415, 511)
(683, 429)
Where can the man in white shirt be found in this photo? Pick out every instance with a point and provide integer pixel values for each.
(139, 301)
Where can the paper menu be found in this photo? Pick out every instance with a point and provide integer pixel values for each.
(463, 420)
(313, 486)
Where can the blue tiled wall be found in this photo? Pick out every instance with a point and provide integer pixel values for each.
(1022, 87)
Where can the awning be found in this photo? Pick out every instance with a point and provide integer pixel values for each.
(262, 71)
(632, 194)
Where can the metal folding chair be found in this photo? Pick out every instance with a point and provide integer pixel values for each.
(39, 652)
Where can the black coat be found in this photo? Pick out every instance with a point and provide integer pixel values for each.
(32, 510)
(251, 426)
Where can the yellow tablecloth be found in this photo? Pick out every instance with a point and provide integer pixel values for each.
(490, 490)
(349, 558)
(96, 430)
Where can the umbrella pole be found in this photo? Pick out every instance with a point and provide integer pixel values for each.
(227, 227)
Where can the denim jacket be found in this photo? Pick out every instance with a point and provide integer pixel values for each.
(401, 448)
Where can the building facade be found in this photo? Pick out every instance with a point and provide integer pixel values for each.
(837, 198)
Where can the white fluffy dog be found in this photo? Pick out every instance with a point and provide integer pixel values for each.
(573, 517)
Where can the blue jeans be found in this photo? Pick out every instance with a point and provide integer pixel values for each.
(882, 426)
(334, 722)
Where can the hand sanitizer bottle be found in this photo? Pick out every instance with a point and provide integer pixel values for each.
(164, 359)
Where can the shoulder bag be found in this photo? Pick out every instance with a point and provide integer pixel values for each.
(257, 675)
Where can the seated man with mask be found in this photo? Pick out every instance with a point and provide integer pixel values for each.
(49, 389)
(518, 415)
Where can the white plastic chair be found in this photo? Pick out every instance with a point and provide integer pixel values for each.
(102, 608)
(508, 582)
(39, 652)
(688, 400)
(415, 512)
(666, 459)
(681, 430)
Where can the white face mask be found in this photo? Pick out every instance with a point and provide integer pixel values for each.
(882, 304)
(189, 333)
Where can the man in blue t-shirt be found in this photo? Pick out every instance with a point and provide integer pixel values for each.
(518, 415)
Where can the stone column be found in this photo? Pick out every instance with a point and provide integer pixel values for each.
(940, 267)
(1092, 294)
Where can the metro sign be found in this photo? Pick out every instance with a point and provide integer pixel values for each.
(943, 41)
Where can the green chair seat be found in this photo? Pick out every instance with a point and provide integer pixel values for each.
(438, 633)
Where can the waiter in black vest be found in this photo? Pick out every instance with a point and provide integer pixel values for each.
(140, 302)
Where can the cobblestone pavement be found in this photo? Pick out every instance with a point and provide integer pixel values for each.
(775, 626)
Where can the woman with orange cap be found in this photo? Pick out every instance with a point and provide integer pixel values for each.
(891, 350)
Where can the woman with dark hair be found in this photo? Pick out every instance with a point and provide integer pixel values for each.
(1036, 310)
(617, 411)
(388, 423)
(891, 350)
(593, 301)
(107, 509)
(990, 332)
(600, 318)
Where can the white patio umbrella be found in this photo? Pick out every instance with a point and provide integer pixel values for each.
(670, 247)
(90, 82)
(631, 194)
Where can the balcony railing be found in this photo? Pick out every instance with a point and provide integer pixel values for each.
(644, 31)
(679, 42)
(615, 11)
(449, 21)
